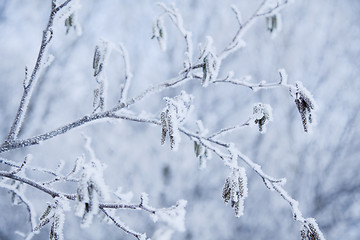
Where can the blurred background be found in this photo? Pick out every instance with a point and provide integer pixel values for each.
(319, 44)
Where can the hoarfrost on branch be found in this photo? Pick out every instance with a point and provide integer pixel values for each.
(93, 195)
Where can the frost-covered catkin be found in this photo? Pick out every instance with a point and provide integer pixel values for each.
(235, 190)
(274, 24)
(101, 55)
(56, 230)
(91, 189)
(210, 63)
(173, 127)
(159, 32)
(173, 116)
(304, 103)
(262, 113)
(69, 15)
(226, 191)
(72, 22)
(164, 128)
(310, 231)
(201, 151)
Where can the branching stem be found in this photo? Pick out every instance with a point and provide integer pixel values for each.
(29, 84)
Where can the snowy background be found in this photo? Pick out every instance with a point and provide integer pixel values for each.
(319, 45)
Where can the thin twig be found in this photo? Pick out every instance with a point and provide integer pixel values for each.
(127, 206)
(30, 84)
(230, 129)
(34, 184)
(128, 75)
(176, 18)
(122, 226)
(24, 200)
(234, 44)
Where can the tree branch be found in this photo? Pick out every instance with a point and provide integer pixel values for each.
(31, 83)
(123, 227)
(243, 27)
(24, 200)
(34, 184)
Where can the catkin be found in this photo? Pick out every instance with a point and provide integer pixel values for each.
(163, 127)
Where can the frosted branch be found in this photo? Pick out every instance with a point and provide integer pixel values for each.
(26, 160)
(123, 227)
(23, 199)
(37, 185)
(177, 19)
(29, 84)
(245, 81)
(230, 129)
(237, 14)
(165, 213)
(270, 182)
(262, 10)
(128, 75)
(92, 194)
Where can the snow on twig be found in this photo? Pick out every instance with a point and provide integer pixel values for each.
(177, 19)
(122, 226)
(263, 10)
(128, 75)
(23, 199)
(92, 193)
(30, 83)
